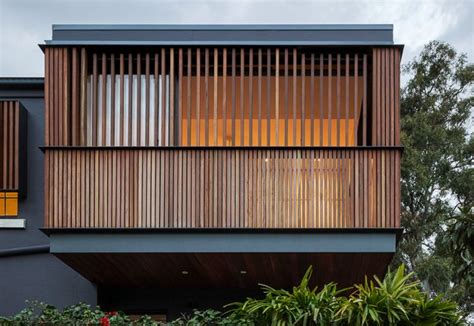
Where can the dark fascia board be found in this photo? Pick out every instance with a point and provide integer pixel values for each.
(14, 88)
(21, 83)
(223, 242)
(49, 231)
(264, 35)
(225, 27)
(184, 148)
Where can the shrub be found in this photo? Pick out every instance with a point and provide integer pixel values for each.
(397, 300)
(300, 306)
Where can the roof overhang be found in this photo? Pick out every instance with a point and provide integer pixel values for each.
(223, 258)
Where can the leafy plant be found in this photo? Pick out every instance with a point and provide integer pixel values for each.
(301, 306)
(397, 300)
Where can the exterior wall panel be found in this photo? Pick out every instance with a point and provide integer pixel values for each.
(222, 188)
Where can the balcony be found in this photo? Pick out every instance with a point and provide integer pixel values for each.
(198, 187)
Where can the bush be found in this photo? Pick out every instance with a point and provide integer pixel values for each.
(397, 300)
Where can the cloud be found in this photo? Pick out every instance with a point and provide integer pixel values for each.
(26, 23)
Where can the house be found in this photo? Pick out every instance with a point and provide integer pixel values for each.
(161, 168)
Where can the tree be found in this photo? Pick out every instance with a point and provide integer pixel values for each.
(437, 172)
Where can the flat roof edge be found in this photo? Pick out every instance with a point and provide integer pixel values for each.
(223, 27)
(222, 43)
(284, 34)
(20, 83)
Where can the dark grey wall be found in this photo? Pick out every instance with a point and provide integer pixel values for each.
(30, 207)
(38, 276)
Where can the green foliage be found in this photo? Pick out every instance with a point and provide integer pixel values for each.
(437, 172)
(301, 306)
(210, 317)
(38, 313)
(397, 300)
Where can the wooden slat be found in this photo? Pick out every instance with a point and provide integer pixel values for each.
(277, 97)
(75, 96)
(104, 102)
(189, 96)
(259, 97)
(294, 92)
(130, 99)
(95, 110)
(216, 89)
(206, 97)
(329, 143)
(356, 96)
(233, 91)
(286, 96)
(338, 100)
(112, 100)
(364, 101)
(321, 96)
(156, 107)
(172, 108)
(198, 96)
(268, 92)
(147, 99)
(312, 102)
(346, 89)
(250, 97)
(224, 96)
(138, 109)
(302, 141)
(242, 95)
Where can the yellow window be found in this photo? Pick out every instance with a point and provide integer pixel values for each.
(8, 204)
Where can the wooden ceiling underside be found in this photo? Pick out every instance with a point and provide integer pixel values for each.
(223, 270)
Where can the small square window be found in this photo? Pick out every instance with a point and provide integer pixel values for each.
(8, 203)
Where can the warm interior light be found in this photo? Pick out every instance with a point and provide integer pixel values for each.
(184, 272)
(8, 203)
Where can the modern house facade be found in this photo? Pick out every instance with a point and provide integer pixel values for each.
(171, 167)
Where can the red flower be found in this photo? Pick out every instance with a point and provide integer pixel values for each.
(104, 321)
(112, 313)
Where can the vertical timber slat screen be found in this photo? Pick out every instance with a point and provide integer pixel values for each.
(222, 97)
(12, 146)
(223, 188)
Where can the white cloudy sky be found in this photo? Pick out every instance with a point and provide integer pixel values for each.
(26, 23)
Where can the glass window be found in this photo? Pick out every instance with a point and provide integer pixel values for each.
(8, 203)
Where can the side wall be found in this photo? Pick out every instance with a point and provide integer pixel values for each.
(35, 276)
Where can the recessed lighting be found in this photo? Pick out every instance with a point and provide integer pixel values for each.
(184, 272)
(243, 272)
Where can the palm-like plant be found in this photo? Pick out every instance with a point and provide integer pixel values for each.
(396, 301)
(301, 306)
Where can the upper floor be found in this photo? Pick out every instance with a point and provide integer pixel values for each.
(249, 126)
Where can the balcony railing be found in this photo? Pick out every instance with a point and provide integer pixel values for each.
(217, 187)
